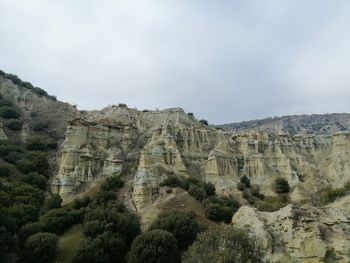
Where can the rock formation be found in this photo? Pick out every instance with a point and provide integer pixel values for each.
(300, 234)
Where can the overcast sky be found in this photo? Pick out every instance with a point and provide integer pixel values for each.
(225, 61)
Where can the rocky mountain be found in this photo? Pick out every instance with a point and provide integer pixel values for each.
(307, 223)
(316, 124)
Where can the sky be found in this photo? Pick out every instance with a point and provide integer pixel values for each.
(225, 61)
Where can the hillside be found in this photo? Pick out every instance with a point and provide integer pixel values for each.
(117, 170)
(324, 124)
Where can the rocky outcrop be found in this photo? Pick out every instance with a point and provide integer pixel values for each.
(300, 234)
(171, 142)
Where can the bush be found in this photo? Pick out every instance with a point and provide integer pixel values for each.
(51, 144)
(40, 127)
(9, 112)
(126, 224)
(218, 213)
(36, 180)
(28, 230)
(40, 247)
(271, 203)
(181, 224)
(35, 144)
(14, 125)
(156, 246)
(112, 184)
(281, 186)
(56, 220)
(6, 102)
(197, 192)
(81, 202)
(55, 201)
(5, 169)
(224, 244)
(220, 208)
(245, 181)
(34, 162)
(103, 197)
(209, 189)
(105, 248)
(204, 122)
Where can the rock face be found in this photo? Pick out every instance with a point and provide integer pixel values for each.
(300, 234)
(325, 124)
(170, 142)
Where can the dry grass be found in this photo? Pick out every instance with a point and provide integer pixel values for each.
(68, 242)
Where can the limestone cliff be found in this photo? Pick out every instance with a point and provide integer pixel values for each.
(300, 234)
(169, 142)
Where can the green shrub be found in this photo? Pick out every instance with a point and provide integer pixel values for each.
(14, 125)
(105, 248)
(224, 244)
(36, 180)
(56, 220)
(181, 224)
(53, 202)
(209, 189)
(220, 208)
(281, 186)
(197, 192)
(81, 202)
(36, 144)
(40, 247)
(245, 181)
(40, 127)
(112, 184)
(271, 203)
(103, 197)
(51, 143)
(5, 169)
(126, 224)
(28, 230)
(156, 246)
(204, 122)
(9, 112)
(6, 102)
(34, 162)
(218, 213)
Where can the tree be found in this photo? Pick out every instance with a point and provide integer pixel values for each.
(245, 181)
(14, 125)
(281, 186)
(40, 247)
(156, 246)
(5, 169)
(197, 192)
(218, 213)
(28, 230)
(126, 224)
(105, 248)
(181, 224)
(36, 180)
(55, 201)
(204, 122)
(56, 220)
(224, 244)
(112, 184)
(36, 144)
(209, 189)
(9, 112)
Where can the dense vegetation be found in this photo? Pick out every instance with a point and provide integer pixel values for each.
(217, 208)
(16, 80)
(224, 244)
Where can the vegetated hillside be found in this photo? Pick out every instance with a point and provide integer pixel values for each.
(318, 124)
(132, 181)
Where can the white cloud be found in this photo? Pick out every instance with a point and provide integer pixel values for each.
(223, 60)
